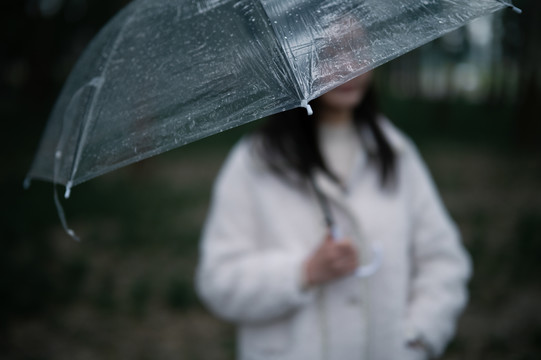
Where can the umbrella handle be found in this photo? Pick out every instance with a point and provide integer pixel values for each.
(377, 255)
(371, 268)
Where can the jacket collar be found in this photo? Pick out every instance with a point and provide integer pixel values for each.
(397, 141)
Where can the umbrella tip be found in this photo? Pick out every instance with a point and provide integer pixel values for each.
(515, 9)
(510, 5)
(69, 185)
(72, 234)
(304, 104)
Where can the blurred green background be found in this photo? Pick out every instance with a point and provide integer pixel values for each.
(470, 101)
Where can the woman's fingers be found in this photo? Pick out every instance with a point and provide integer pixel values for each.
(343, 249)
(333, 259)
(344, 265)
(344, 258)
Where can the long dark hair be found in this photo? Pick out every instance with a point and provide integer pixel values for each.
(288, 141)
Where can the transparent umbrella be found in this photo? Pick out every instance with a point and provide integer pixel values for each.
(164, 73)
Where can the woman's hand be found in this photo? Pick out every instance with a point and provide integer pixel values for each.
(332, 260)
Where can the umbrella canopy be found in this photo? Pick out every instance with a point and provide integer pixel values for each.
(164, 73)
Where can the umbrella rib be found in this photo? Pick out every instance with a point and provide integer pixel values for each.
(291, 72)
(98, 82)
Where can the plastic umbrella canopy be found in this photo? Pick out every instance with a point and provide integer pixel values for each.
(163, 73)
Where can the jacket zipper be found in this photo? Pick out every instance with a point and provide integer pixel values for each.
(324, 330)
(366, 302)
(323, 325)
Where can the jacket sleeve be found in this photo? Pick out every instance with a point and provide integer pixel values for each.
(237, 277)
(441, 266)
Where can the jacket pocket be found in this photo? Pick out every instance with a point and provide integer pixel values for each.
(411, 352)
(270, 338)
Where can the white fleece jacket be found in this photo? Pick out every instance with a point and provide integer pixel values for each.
(260, 230)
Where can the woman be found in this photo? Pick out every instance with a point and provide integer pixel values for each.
(326, 239)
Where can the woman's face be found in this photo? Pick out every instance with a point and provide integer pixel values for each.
(347, 96)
